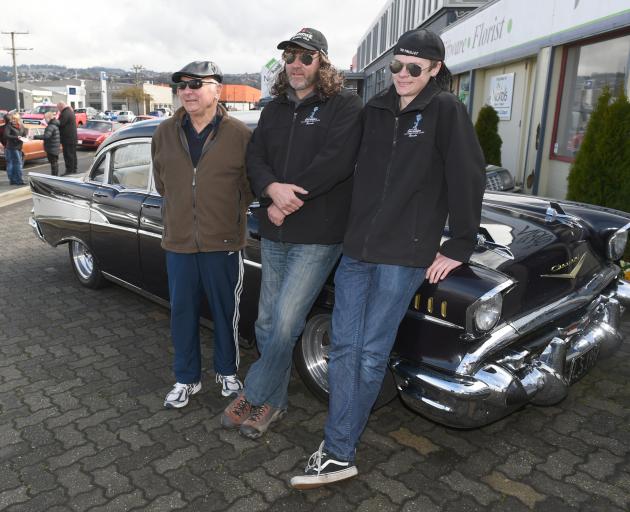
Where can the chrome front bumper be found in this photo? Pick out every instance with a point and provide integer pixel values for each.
(511, 379)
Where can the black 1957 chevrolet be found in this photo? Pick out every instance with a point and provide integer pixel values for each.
(538, 305)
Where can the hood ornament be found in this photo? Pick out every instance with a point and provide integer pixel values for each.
(556, 213)
(571, 275)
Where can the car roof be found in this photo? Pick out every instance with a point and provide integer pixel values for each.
(147, 128)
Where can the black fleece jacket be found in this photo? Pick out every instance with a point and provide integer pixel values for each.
(415, 167)
(313, 145)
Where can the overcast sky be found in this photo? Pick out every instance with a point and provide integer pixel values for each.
(163, 35)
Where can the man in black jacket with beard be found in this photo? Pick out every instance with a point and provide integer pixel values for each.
(299, 162)
(418, 163)
(68, 132)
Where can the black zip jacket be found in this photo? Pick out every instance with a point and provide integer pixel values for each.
(314, 146)
(415, 168)
(12, 136)
(51, 138)
(68, 126)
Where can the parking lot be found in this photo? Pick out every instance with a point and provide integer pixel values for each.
(83, 375)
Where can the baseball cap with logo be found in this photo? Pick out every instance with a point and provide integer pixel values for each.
(308, 38)
(420, 43)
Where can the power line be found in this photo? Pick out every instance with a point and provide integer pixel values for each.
(15, 74)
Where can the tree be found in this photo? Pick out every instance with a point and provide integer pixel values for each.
(600, 173)
(487, 128)
(135, 94)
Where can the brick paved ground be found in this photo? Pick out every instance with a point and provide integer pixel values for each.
(82, 378)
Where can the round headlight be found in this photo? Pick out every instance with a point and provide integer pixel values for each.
(617, 244)
(488, 312)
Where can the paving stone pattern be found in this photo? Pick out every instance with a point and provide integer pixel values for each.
(83, 375)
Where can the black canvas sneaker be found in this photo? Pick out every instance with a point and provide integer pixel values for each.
(322, 469)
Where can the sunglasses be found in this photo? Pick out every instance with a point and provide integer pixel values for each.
(305, 58)
(195, 83)
(396, 67)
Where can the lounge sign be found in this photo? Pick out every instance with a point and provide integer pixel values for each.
(501, 89)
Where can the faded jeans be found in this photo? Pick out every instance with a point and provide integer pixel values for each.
(371, 300)
(292, 278)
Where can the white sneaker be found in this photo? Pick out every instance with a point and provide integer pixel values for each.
(230, 385)
(178, 396)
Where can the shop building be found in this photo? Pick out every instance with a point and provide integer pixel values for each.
(542, 65)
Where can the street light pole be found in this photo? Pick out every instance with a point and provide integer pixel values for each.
(15, 75)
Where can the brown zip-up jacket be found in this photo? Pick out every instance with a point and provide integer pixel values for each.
(204, 208)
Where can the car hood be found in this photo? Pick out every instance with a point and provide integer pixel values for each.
(547, 257)
(85, 132)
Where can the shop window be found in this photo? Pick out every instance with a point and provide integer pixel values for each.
(589, 69)
(380, 80)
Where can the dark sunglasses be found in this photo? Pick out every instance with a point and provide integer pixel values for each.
(305, 58)
(396, 67)
(195, 83)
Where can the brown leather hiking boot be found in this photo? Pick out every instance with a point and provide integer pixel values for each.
(236, 413)
(259, 420)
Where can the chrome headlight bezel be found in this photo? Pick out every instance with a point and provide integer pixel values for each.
(484, 314)
(616, 245)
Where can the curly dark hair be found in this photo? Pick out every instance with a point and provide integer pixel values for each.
(329, 80)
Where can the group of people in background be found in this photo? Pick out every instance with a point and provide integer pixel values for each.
(371, 184)
(60, 134)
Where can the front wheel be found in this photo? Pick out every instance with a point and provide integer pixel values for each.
(311, 361)
(84, 265)
(311, 355)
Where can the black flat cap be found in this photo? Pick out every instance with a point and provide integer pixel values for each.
(199, 69)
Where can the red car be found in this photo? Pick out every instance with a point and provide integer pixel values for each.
(94, 133)
(38, 113)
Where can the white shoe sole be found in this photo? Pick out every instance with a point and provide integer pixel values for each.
(314, 481)
(179, 405)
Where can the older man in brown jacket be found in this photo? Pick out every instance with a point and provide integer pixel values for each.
(199, 169)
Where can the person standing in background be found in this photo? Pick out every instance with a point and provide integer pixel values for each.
(52, 142)
(68, 132)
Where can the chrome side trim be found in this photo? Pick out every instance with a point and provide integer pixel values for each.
(434, 320)
(149, 233)
(136, 289)
(59, 208)
(506, 333)
(114, 226)
(252, 263)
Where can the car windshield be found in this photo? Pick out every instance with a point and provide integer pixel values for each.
(98, 126)
(42, 109)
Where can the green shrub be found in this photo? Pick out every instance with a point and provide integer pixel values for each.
(600, 173)
(487, 128)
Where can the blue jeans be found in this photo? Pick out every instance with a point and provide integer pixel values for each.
(292, 278)
(13, 158)
(370, 302)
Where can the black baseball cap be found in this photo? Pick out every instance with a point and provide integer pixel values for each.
(199, 69)
(308, 38)
(420, 43)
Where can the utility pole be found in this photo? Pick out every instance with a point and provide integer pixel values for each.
(15, 74)
(137, 68)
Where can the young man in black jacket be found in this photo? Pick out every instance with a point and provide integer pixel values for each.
(419, 162)
(299, 162)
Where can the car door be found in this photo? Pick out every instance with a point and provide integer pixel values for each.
(116, 206)
(152, 256)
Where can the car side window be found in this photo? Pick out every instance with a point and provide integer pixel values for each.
(98, 171)
(131, 166)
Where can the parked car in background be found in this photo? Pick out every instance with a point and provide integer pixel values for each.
(90, 112)
(539, 303)
(156, 113)
(38, 113)
(31, 149)
(92, 135)
(109, 115)
(126, 116)
(144, 118)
